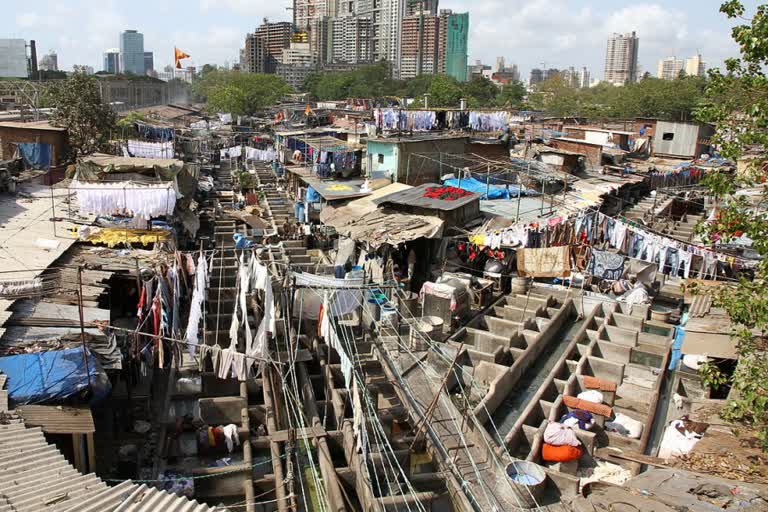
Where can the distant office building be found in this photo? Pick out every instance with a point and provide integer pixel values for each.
(419, 52)
(542, 75)
(500, 65)
(585, 78)
(149, 62)
(83, 68)
(171, 73)
(305, 12)
(49, 62)
(670, 68)
(295, 74)
(427, 6)
(571, 77)
(112, 61)
(321, 39)
(695, 66)
(476, 70)
(265, 46)
(435, 44)
(621, 59)
(387, 19)
(351, 40)
(453, 44)
(132, 52)
(13, 58)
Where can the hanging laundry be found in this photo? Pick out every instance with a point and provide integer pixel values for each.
(606, 265)
(141, 149)
(126, 198)
(260, 155)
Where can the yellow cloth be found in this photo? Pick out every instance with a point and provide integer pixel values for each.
(477, 239)
(116, 236)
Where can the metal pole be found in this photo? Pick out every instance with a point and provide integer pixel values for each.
(519, 196)
(488, 182)
(53, 205)
(82, 322)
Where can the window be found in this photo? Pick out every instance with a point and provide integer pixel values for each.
(381, 158)
(668, 136)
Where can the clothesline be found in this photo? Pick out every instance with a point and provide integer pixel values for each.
(142, 200)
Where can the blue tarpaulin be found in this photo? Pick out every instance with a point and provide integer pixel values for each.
(36, 156)
(52, 376)
(479, 187)
(313, 196)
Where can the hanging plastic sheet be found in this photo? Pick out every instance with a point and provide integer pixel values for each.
(35, 156)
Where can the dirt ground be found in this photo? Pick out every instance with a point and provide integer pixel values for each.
(728, 451)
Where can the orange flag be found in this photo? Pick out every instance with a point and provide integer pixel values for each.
(178, 55)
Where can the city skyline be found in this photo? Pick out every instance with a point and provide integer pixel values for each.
(522, 31)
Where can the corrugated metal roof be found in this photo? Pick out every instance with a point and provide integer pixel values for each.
(58, 419)
(35, 477)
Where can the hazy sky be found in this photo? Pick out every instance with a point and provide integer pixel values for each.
(559, 33)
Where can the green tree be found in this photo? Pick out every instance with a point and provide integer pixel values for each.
(79, 109)
(240, 93)
(511, 95)
(480, 92)
(444, 91)
(736, 103)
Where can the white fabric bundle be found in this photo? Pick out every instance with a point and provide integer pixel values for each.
(145, 201)
(592, 395)
(558, 434)
(625, 426)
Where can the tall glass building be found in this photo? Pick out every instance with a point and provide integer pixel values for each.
(456, 42)
(132, 52)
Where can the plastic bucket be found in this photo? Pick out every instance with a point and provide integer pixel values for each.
(420, 335)
(390, 317)
(371, 312)
(528, 482)
(520, 285)
(437, 323)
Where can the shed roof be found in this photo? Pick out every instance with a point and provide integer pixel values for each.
(421, 137)
(56, 419)
(386, 226)
(579, 141)
(593, 129)
(35, 125)
(341, 215)
(415, 197)
(38, 478)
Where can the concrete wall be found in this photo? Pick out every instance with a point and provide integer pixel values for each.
(592, 152)
(396, 153)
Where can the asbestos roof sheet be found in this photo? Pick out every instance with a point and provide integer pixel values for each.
(58, 419)
(35, 477)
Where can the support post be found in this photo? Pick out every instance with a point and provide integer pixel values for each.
(91, 447)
